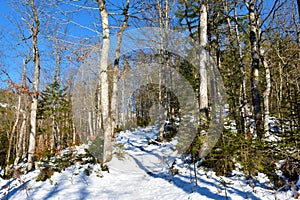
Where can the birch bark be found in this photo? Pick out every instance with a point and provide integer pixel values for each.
(266, 93)
(114, 102)
(21, 139)
(36, 59)
(203, 60)
(254, 71)
(106, 119)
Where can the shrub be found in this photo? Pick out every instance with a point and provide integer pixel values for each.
(45, 173)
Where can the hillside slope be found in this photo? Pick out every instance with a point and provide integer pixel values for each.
(137, 171)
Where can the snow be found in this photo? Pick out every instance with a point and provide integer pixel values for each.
(298, 182)
(3, 105)
(142, 172)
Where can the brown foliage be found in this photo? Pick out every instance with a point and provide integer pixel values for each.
(22, 89)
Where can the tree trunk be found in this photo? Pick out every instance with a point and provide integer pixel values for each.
(163, 20)
(19, 149)
(90, 123)
(53, 137)
(266, 93)
(106, 124)
(114, 101)
(160, 60)
(57, 62)
(255, 68)
(242, 70)
(74, 134)
(203, 62)
(12, 134)
(298, 2)
(36, 59)
(237, 43)
(298, 40)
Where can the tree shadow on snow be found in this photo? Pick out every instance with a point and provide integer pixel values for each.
(58, 187)
(184, 183)
(13, 189)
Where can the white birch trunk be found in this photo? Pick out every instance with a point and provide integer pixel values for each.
(255, 66)
(106, 128)
(23, 131)
(19, 149)
(12, 133)
(74, 133)
(242, 70)
(36, 60)
(203, 61)
(266, 94)
(114, 101)
(90, 123)
(160, 78)
(57, 61)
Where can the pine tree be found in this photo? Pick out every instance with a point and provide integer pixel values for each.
(55, 117)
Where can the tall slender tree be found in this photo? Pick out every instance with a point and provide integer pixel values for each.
(34, 26)
(255, 67)
(103, 98)
(115, 79)
(20, 148)
(202, 32)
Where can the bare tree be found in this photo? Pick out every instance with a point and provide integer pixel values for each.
(34, 26)
(21, 91)
(114, 101)
(203, 60)
(20, 148)
(105, 117)
(255, 67)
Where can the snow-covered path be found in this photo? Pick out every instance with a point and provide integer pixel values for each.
(143, 173)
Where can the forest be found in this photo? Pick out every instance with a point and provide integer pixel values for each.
(222, 76)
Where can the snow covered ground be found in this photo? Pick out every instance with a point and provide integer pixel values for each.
(138, 171)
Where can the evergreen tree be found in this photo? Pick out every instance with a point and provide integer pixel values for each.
(55, 117)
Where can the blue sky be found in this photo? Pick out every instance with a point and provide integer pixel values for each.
(71, 31)
(5, 26)
(13, 48)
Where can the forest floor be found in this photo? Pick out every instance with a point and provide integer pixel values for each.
(139, 171)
